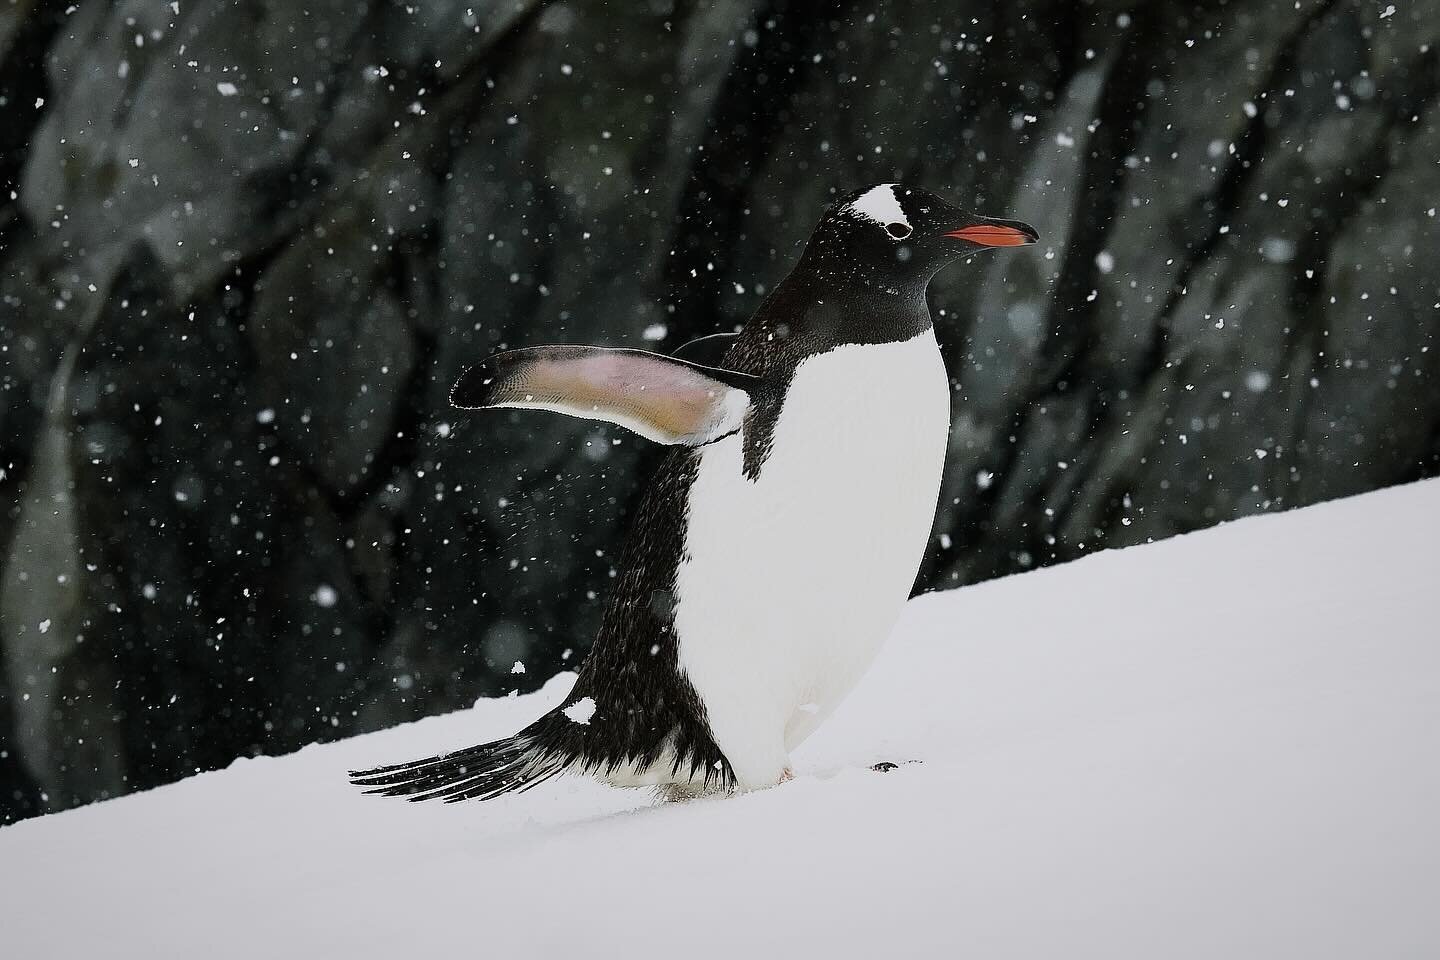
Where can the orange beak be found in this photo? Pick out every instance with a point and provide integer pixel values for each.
(995, 235)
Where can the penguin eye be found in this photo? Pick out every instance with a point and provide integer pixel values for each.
(898, 230)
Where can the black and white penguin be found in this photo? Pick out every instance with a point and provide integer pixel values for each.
(773, 550)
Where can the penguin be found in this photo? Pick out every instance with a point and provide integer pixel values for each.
(775, 545)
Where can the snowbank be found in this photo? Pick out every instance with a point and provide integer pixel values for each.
(1223, 745)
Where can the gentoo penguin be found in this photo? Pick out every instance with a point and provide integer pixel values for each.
(774, 548)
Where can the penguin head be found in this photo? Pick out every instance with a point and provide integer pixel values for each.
(905, 233)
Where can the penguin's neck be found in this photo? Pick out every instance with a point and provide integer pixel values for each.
(823, 309)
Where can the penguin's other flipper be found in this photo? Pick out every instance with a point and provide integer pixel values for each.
(661, 398)
(708, 351)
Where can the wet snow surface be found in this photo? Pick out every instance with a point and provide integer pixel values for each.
(1222, 745)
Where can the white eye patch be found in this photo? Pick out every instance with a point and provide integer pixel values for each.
(881, 206)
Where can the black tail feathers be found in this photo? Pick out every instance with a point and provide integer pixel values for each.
(483, 772)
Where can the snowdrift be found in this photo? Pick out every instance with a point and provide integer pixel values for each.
(1223, 745)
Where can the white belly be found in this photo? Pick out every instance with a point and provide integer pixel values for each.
(791, 582)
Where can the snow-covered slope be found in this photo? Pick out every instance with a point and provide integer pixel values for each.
(1223, 745)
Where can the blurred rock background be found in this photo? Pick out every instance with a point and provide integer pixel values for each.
(246, 247)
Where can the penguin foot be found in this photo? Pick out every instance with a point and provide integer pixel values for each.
(786, 775)
(678, 792)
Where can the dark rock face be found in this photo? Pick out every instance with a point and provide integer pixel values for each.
(245, 249)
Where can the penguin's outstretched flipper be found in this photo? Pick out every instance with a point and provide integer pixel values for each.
(661, 398)
(488, 770)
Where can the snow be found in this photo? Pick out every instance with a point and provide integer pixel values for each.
(1222, 745)
(581, 710)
